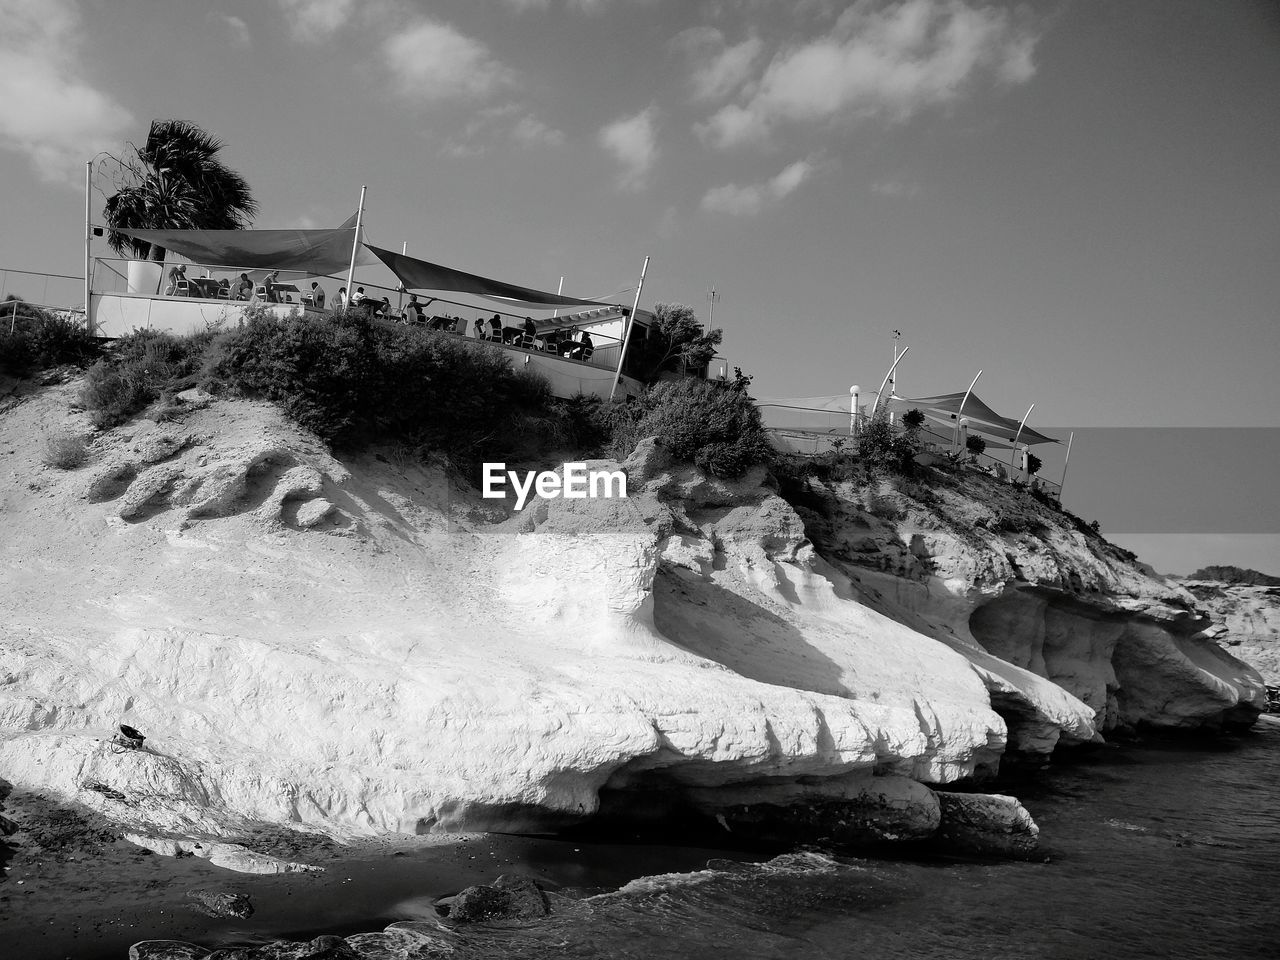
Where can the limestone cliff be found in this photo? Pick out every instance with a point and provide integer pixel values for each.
(1027, 594)
(365, 646)
(1246, 621)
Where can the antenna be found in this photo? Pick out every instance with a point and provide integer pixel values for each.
(712, 297)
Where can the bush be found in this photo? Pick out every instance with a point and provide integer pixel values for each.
(144, 366)
(882, 449)
(975, 444)
(913, 419)
(65, 452)
(33, 339)
(716, 428)
(353, 380)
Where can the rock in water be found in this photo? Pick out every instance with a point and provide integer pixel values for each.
(510, 898)
(166, 950)
(986, 825)
(218, 904)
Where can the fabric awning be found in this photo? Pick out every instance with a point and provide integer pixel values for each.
(310, 252)
(423, 275)
(981, 417)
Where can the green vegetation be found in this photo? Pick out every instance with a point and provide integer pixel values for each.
(143, 367)
(354, 381)
(718, 428)
(676, 342)
(65, 452)
(975, 444)
(33, 339)
(1230, 574)
(175, 181)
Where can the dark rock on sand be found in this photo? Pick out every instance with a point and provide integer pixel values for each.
(167, 950)
(321, 948)
(509, 898)
(986, 825)
(215, 903)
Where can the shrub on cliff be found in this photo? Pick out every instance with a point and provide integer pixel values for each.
(717, 428)
(884, 449)
(33, 339)
(352, 380)
(142, 367)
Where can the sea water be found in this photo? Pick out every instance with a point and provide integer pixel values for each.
(1155, 850)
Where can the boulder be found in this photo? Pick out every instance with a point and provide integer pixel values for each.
(167, 950)
(986, 825)
(509, 898)
(216, 903)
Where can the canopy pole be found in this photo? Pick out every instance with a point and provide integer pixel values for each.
(955, 434)
(404, 252)
(876, 406)
(626, 329)
(88, 232)
(355, 245)
(1018, 434)
(1065, 460)
(559, 292)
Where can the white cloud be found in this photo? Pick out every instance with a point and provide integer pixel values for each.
(633, 141)
(719, 70)
(531, 131)
(751, 199)
(238, 29)
(890, 62)
(47, 110)
(432, 61)
(314, 20)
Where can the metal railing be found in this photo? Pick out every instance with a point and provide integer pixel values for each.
(51, 291)
(837, 431)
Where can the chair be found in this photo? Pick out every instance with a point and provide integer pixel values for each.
(260, 292)
(182, 288)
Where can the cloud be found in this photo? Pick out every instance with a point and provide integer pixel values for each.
(47, 110)
(749, 200)
(890, 62)
(634, 144)
(314, 20)
(531, 131)
(719, 70)
(238, 28)
(432, 61)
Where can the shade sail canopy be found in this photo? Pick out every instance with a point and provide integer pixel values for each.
(981, 417)
(310, 252)
(423, 275)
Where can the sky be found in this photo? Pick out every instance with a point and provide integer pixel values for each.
(1078, 197)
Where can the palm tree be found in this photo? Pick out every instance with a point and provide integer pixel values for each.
(176, 182)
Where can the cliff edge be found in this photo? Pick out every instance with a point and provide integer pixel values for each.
(365, 646)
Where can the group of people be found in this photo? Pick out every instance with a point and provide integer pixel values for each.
(561, 341)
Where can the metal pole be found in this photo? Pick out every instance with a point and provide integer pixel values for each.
(955, 434)
(559, 292)
(1065, 460)
(1018, 434)
(88, 232)
(876, 406)
(893, 381)
(355, 245)
(404, 252)
(627, 324)
(711, 311)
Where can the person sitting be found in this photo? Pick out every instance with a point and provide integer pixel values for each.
(224, 289)
(317, 295)
(382, 309)
(175, 274)
(340, 301)
(243, 289)
(414, 310)
(269, 287)
(530, 332)
(584, 349)
(479, 329)
(495, 329)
